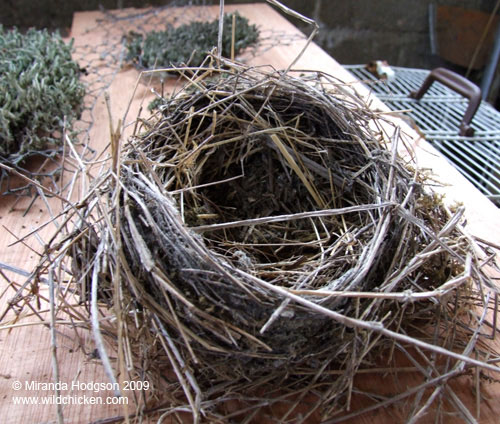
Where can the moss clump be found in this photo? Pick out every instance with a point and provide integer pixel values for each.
(39, 87)
(189, 43)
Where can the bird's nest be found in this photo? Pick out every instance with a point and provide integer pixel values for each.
(260, 234)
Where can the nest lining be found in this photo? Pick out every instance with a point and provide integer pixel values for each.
(249, 181)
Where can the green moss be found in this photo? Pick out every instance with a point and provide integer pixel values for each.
(189, 43)
(39, 87)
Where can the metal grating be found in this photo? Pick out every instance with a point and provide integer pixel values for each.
(438, 115)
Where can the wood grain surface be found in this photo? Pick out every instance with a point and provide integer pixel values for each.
(25, 350)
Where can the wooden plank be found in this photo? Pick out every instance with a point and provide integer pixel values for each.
(25, 351)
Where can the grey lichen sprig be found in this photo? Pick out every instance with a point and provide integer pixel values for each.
(189, 43)
(40, 92)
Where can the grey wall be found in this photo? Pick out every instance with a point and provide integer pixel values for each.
(56, 14)
(357, 31)
(352, 31)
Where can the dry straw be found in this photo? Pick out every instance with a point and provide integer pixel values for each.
(260, 235)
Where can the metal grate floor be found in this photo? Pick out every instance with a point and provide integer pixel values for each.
(438, 115)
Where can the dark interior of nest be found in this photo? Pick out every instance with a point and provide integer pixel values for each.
(251, 177)
(261, 184)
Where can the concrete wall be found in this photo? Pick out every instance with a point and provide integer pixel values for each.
(357, 31)
(56, 14)
(352, 31)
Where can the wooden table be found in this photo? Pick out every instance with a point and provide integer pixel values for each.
(25, 352)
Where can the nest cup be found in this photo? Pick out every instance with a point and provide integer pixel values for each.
(250, 204)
